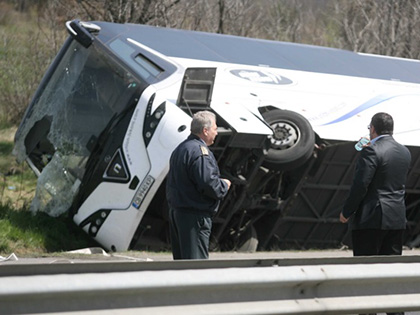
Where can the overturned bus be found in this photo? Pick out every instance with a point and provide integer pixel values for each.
(118, 98)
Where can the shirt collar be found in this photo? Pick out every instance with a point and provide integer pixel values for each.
(377, 138)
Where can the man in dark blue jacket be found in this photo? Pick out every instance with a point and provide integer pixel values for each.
(194, 189)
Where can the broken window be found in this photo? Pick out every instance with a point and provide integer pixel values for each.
(85, 92)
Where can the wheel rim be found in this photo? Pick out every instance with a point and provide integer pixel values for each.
(285, 135)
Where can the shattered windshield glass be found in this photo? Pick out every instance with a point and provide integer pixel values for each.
(86, 90)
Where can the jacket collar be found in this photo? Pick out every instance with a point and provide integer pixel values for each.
(195, 137)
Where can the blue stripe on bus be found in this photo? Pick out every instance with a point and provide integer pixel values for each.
(371, 103)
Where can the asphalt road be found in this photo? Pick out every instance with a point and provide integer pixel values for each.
(97, 254)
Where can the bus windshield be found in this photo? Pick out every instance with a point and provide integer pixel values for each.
(84, 92)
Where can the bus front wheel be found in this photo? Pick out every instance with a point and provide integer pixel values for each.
(292, 142)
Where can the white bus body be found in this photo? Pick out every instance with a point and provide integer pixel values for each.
(119, 98)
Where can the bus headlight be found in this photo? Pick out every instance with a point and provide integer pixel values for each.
(152, 120)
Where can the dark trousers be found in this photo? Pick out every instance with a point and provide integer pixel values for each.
(190, 234)
(372, 242)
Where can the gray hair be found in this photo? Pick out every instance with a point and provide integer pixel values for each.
(201, 120)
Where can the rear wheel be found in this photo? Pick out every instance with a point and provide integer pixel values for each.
(244, 241)
(249, 242)
(292, 142)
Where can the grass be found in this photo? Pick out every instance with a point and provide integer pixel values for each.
(21, 231)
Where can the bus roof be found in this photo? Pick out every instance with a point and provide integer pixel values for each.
(258, 52)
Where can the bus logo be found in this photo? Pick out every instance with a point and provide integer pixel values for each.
(260, 76)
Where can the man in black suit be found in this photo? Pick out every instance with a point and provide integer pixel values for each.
(376, 200)
(375, 207)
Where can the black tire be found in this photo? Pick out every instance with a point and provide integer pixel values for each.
(249, 241)
(292, 142)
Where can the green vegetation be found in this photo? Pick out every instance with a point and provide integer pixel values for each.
(21, 231)
(17, 181)
(26, 49)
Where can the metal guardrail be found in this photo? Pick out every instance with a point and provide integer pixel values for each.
(60, 265)
(348, 288)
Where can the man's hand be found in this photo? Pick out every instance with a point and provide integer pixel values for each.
(227, 181)
(343, 219)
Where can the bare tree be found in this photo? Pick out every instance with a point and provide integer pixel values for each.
(154, 12)
(284, 21)
(380, 27)
(242, 17)
(25, 56)
(387, 27)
